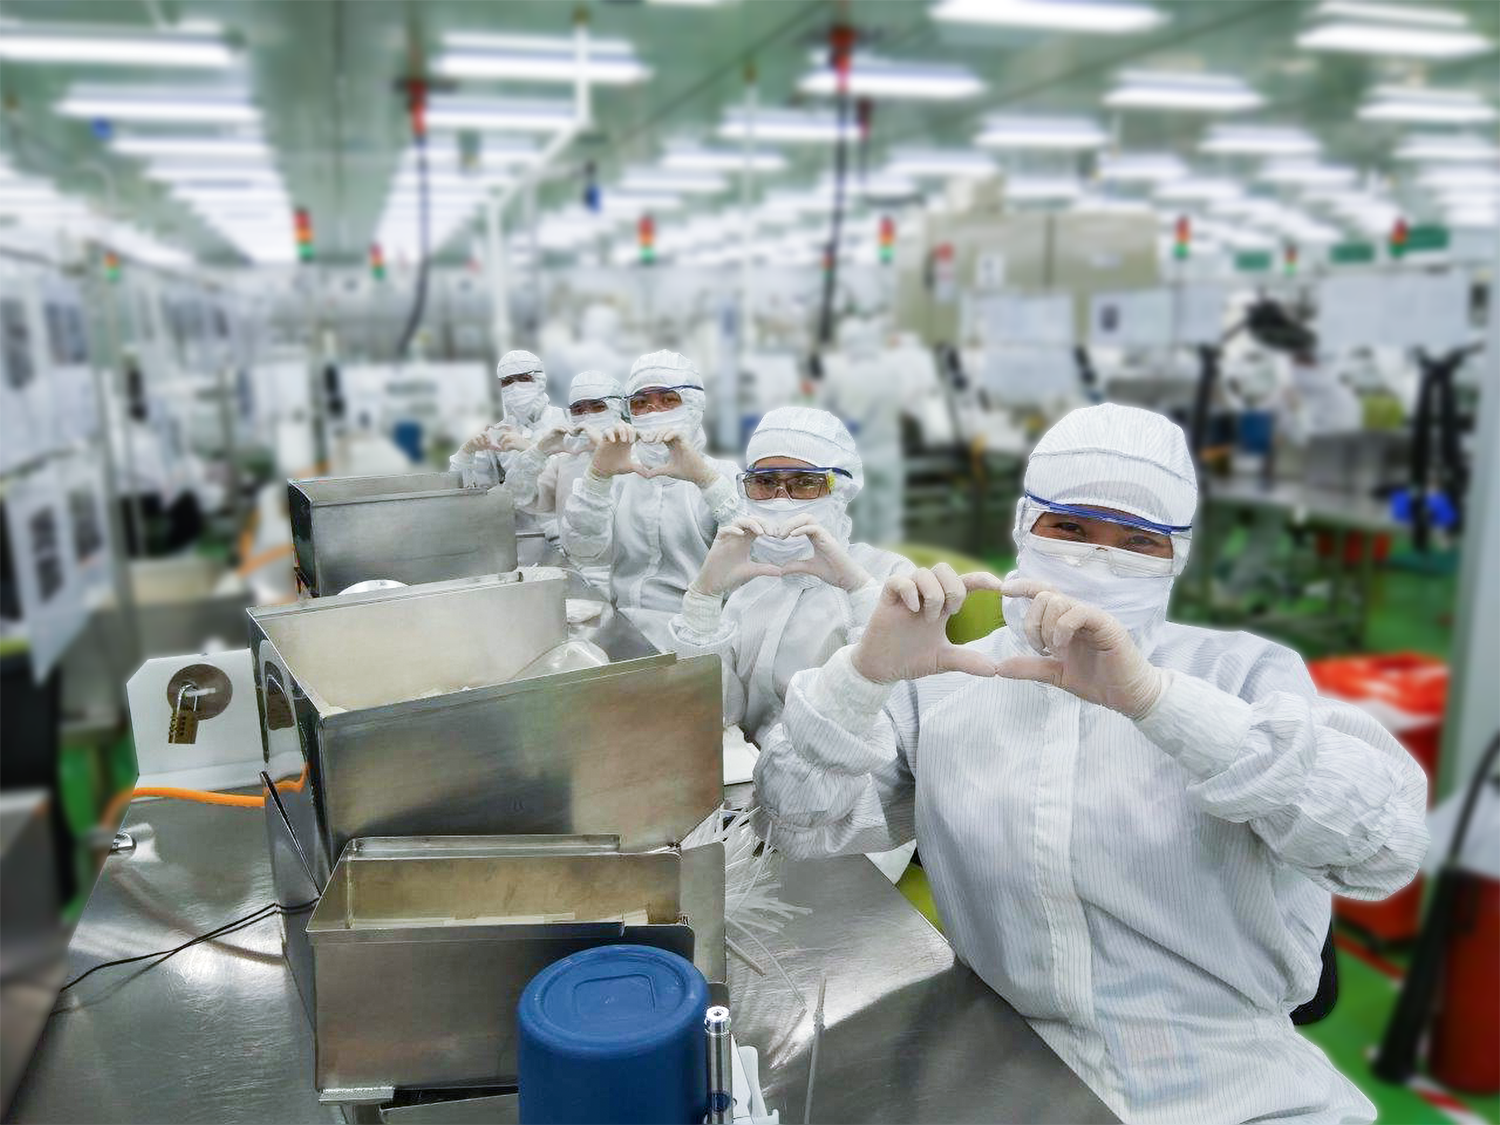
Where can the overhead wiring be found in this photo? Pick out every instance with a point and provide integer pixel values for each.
(417, 104)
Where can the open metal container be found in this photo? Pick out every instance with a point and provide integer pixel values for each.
(424, 945)
(420, 712)
(413, 527)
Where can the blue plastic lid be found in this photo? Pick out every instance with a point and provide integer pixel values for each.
(613, 999)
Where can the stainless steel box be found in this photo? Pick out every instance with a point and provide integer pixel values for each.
(423, 945)
(414, 528)
(399, 713)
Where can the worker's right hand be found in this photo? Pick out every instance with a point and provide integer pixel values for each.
(729, 566)
(612, 454)
(905, 639)
(513, 441)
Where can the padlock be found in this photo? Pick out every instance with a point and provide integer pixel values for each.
(183, 729)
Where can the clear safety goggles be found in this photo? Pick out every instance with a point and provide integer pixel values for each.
(652, 400)
(1122, 558)
(585, 407)
(798, 484)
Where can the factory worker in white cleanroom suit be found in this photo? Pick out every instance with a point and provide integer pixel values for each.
(1131, 827)
(650, 503)
(544, 474)
(782, 588)
(523, 393)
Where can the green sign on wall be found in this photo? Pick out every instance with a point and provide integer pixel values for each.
(1352, 253)
(1250, 261)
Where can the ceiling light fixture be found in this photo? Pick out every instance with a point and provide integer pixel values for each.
(208, 147)
(1306, 172)
(1070, 133)
(1258, 140)
(532, 58)
(1039, 188)
(1389, 29)
(693, 158)
(1085, 16)
(1442, 148)
(884, 78)
(1414, 103)
(938, 162)
(191, 45)
(1194, 93)
(792, 126)
(1138, 167)
(477, 113)
(1206, 190)
(159, 105)
(673, 179)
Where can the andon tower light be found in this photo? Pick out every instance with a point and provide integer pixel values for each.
(304, 231)
(1400, 234)
(377, 262)
(1182, 238)
(1289, 258)
(887, 240)
(645, 233)
(111, 266)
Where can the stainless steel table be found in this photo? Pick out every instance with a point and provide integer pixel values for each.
(218, 1034)
(1339, 512)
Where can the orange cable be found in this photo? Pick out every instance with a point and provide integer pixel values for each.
(202, 796)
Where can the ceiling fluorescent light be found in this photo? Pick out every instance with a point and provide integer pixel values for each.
(177, 105)
(1258, 140)
(882, 78)
(1142, 167)
(1403, 103)
(673, 179)
(1454, 148)
(939, 162)
(211, 148)
(1085, 16)
(1441, 178)
(785, 125)
(524, 58)
(693, 158)
(1306, 172)
(476, 113)
(1041, 132)
(1196, 93)
(114, 46)
(1199, 189)
(1388, 29)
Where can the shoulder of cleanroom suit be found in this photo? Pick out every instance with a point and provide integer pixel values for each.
(1152, 895)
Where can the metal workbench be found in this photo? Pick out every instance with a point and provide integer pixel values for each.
(1341, 513)
(218, 1034)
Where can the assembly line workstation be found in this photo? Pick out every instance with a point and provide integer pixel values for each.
(379, 713)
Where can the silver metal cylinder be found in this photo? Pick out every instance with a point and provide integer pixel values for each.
(720, 1066)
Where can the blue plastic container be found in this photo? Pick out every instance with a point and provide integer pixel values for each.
(614, 1036)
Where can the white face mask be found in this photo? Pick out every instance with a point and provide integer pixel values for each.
(827, 510)
(655, 454)
(524, 401)
(1132, 588)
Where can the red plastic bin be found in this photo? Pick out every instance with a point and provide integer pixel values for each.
(1407, 692)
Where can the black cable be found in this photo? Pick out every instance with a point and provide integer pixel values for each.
(244, 922)
(831, 274)
(419, 301)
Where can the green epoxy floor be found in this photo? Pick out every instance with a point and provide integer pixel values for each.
(1412, 609)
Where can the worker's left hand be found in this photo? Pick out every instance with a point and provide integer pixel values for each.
(513, 441)
(551, 441)
(1085, 651)
(686, 463)
(830, 561)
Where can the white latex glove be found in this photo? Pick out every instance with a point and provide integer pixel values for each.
(477, 442)
(686, 462)
(612, 451)
(513, 442)
(729, 566)
(551, 441)
(905, 639)
(1090, 653)
(830, 561)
